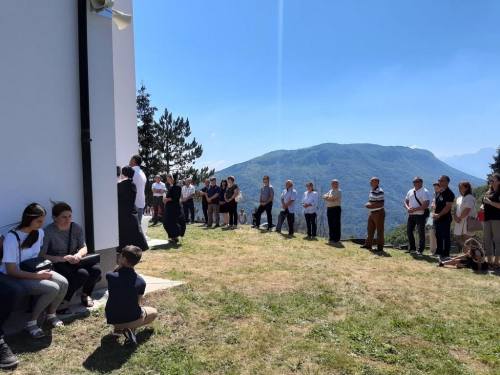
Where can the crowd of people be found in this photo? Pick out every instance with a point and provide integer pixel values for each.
(53, 263)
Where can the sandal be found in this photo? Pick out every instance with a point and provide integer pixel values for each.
(64, 311)
(36, 333)
(54, 321)
(86, 300)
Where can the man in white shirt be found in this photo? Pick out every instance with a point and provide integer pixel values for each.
(158, 189)
(140, 183)
(417, 205)
(187, 200)
(288, 198)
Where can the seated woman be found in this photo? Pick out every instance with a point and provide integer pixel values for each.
(473, 258)
(22, 244)
(64, 245)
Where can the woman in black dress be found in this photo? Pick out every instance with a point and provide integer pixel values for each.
(174, 223)
(232, 205)
(223, 207)
(129, 230)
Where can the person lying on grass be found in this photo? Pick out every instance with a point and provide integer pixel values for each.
(126, 289)
(473, 258)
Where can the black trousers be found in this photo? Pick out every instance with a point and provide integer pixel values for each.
(311, 224)
(188, 206)
(79, 277)
(10, 295)
(157, 203)
(269, 211)
(419, 222)
(333, 215)
(204, 207)
(233, 212)
(290, 218)
(443, 237)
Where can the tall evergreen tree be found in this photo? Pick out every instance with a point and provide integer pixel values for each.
(148, 137)
(177, 153)
(495, 167)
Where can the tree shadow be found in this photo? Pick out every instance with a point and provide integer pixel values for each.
(112, 355)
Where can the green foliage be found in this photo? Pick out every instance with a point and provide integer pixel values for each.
(495, 166)
(164, 145)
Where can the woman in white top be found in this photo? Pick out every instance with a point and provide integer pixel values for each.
(466, 206)
(50, 286)
(310, 205)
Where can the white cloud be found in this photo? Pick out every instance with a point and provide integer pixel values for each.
(413, 147)
(212, 134)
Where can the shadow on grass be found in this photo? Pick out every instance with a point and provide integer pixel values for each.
(168, 246)
(425, 258)
(22, 343)
(337, 245)
(111, 355)
(381, 253)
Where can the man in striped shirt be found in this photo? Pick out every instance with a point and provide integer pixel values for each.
(376, 217)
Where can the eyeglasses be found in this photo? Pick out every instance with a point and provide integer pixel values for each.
(417, 181)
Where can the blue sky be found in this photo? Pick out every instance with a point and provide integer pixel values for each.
(259, 75)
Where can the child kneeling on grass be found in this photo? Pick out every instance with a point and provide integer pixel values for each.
(473, 258)
(126, 290)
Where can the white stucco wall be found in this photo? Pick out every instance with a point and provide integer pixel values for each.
(39, 107)
(125, 90)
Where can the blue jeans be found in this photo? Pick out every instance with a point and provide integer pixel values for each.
(140, 212)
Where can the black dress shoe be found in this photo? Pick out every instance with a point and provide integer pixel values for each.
(365, 247)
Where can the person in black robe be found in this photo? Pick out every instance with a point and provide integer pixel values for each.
(174, 223)
(129, 230)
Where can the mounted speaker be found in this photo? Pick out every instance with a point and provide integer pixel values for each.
(100, 5)
(122, 20)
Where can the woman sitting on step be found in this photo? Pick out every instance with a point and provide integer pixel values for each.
(21, 245)
(64, 245)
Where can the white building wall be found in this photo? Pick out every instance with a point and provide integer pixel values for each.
(125, 90)
(39, 107)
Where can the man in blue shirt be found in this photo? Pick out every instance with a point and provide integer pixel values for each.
(288, 198)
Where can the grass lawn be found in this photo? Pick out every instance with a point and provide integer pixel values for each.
(257, 302)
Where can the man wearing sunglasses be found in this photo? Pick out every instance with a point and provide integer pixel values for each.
(417, 205)
(442, 219)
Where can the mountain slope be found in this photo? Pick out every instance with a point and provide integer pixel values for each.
(353, 165)
(475, 164)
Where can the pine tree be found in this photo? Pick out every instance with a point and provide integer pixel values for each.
(495, 167)
(179, 155)
(148, 138)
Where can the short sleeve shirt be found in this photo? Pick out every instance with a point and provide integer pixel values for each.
(490, 212)
(289, 195)
(266, 192)
(337, 194)
(376, 196)
(442, 198)
(466, 202)
(11, 249)
(422, 195)
(187, 191)
(124, 288)
(56, 240)
(158, 186)
(212, 190)
(230, 191)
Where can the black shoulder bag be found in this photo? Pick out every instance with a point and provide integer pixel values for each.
(32, 265)
(427, 211)
(88, 259)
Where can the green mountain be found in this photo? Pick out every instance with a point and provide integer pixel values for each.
(353, 165)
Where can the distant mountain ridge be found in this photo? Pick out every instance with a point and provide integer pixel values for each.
(353, 165)
(476, 164)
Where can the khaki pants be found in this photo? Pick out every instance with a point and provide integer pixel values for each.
(376, 221)
(213, 209)
(149, 314)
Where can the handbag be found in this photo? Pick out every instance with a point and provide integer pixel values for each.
(32, 265)
(87, 259)
(473, 224)
(239, 197)
(480, 216)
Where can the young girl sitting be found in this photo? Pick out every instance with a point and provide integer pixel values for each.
(473, 258)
